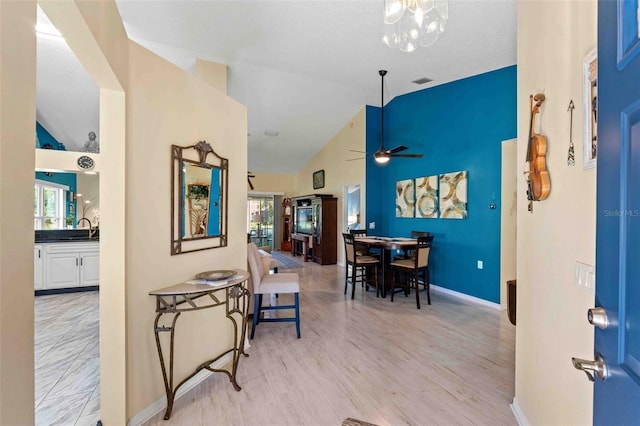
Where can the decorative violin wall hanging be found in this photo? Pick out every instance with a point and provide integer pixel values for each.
(538, 180)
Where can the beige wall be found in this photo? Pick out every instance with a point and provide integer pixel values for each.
(338, 172)
(553, 37)
(17, 127)
(53, 160)
(213, 73)
(169, 106)
(274, 182)
(89, 187)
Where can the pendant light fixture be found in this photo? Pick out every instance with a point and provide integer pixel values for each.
(409, 24)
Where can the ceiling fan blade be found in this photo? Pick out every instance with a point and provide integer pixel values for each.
(354, 159)
(397, 149)
(406, 155)
(250, 184)
(359, 152)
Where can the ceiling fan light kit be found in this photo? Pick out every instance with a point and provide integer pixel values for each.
(409, 24)
(383, 155)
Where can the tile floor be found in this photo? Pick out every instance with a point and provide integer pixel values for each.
(67, 359)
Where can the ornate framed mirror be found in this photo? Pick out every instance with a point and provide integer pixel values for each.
(199, 190)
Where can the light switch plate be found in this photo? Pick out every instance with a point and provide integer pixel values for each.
(585, 276)
(372, 225)
(480, 264)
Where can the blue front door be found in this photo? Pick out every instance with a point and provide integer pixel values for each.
(617, 398)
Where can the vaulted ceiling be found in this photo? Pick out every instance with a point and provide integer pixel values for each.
(302, 68)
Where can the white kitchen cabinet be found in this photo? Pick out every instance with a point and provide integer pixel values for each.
(68, 265)
(38, 267)
(90, 268)
(62, 270)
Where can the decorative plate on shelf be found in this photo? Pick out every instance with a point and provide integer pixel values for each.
(221, 274)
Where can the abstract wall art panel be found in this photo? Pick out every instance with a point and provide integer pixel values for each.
(427, 197)
(453, 195)
(404, 198)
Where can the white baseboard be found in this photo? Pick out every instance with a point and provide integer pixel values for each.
(161, 404)
(517, 412)
(466, 297)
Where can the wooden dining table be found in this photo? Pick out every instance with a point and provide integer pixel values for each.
(387, 245)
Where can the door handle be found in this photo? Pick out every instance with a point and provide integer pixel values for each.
(76, 261)
(80, 261)
(592, 369)
(598, 317)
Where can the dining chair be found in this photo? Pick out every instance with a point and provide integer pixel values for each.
(361, 249)
(356, 262)
(358, 232)
(408, 253)
(412, 268)
(265, 283)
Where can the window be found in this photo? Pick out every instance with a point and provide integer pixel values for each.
(49, 203)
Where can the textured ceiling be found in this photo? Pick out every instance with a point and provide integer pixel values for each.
(304, 68)
(67, 98)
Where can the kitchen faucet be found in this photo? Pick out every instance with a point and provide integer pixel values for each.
(91, 230)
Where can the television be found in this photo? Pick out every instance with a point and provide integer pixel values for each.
(304, 220)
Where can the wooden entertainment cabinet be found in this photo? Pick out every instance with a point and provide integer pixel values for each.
(317, 216)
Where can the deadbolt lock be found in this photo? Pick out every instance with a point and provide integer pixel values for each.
(598, 317)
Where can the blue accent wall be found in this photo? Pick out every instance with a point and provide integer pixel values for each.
(213, 226)
(44, 137)
(457, 126)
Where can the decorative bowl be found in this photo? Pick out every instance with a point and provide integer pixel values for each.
(221, 274)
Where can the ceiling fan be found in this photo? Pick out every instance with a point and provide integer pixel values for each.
(383, 155)
(249, 177)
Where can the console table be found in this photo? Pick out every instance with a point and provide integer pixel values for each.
(181, 298)
(305, 244)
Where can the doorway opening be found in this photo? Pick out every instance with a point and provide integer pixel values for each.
(66, 226)
(352, 214)
(508, 218)
(260, 220)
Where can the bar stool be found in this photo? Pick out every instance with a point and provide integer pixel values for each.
(412, 268)
(356, 262)
(408, 254)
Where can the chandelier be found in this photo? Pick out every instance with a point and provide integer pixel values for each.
(409, 24)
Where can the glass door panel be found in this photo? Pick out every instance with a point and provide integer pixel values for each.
(260, 220)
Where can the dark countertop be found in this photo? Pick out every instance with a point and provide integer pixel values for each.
(67, 240)
(64, 236)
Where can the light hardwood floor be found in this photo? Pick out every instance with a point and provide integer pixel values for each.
(450, 363)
